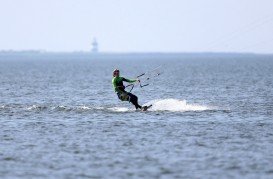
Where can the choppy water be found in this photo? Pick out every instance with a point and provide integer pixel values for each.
(212, 118)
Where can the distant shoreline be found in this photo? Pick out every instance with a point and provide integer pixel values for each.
(32, 54)
(128, 53)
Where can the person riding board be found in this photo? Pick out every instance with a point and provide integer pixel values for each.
(123, 95)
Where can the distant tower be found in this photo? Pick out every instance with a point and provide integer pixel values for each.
(95, 46)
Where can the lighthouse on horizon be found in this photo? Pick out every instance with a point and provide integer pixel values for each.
(95, 45)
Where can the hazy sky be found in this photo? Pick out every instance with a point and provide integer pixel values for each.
(138, 25)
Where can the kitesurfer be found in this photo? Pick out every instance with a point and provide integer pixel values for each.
(123, 95)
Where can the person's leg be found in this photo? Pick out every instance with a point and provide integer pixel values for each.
(134, 100)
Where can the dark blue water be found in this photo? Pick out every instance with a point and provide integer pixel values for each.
(211, 118)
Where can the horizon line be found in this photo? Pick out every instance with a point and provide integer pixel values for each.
(129, 52)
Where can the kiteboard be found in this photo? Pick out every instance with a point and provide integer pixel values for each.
(145, 108)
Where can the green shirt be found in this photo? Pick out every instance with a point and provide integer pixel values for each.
(118, 83)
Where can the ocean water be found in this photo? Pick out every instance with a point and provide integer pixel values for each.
(211, 118)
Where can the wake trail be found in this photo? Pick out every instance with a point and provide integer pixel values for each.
(175, 105)
(171, 105)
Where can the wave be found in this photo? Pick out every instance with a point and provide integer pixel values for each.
(171, 105)
(119, 109)
(36, 107)
(80, 108)
(175, 105)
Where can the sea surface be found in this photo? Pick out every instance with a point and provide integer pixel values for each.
(211, 117)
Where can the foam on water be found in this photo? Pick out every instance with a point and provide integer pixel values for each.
(175, 105)
(172, 105)
(119, 109)
(84, 107)
(36, 107)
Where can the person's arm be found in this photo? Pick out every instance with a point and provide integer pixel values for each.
(129, 80)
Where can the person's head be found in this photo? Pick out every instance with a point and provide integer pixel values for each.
(116, 73)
